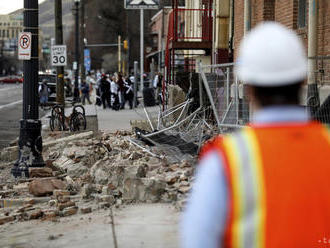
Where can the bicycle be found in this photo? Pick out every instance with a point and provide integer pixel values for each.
(76, 121)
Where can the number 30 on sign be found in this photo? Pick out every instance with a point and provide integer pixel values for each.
(58, 55)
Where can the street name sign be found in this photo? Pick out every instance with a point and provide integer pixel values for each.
(58, 55)
(141, 4)
(24, 46)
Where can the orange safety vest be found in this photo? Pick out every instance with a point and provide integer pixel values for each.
(279, 185)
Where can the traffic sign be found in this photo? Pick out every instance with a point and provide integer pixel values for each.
(24, 46)
(141, 4)
(58, 55)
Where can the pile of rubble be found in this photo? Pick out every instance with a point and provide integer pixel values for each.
(88, 172)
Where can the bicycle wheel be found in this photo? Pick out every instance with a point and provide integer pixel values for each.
(77, 122)
(79, 109)
(55, 121)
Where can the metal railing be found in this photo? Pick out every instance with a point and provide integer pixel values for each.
(225, 95)
(192, 24)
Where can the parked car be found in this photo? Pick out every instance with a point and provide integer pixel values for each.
(51, 82)
(11, 79)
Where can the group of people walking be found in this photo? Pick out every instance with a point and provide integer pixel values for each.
(114, 91)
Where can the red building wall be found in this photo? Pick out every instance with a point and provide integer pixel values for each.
(286, 12)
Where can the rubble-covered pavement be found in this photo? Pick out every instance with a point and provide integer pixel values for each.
(98, 171)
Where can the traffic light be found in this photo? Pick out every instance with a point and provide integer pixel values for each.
(125, 45)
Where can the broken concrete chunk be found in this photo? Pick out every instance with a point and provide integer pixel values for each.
(40, 172)
(58, 192)
(6, 219)
(135, 156)
(63, 199)
(36, 214)
(76, 170)
(43, 187)
(50, 214)
(70, 211)
(86, 210)
(142, 171)
(143, 189)
(52, 203)
(61, 206)
(108, 198)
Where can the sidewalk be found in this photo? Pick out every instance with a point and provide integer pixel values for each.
(144, 225)
(111, 120)
(138, 225)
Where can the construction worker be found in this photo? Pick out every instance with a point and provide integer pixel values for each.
(268, 184)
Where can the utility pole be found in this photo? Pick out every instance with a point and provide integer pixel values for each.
(142, 47)
(30, 140)
(76, 63)
(313, 97)
(136, 64)
(119, 54)
(59, 41)
(82, 37)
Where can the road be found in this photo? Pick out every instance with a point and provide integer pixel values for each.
(10, 112)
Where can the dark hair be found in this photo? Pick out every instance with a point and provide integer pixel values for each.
(281, 95)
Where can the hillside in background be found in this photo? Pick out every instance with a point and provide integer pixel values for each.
(47, 19)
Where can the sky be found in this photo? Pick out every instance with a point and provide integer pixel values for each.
(7, 6)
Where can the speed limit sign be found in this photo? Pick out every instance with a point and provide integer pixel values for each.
(58, 55)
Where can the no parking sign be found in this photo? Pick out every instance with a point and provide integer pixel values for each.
(24, 46)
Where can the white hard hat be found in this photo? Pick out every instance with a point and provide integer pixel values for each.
(271, 55)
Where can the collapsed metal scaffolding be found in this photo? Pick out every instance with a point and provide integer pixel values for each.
(222, 107)
(183, 129)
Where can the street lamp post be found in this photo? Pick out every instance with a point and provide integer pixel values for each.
(76, 63)
(30, 141)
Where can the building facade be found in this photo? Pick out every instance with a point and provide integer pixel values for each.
(295, 15)
(10, 26)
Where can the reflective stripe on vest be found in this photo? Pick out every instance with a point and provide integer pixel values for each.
(257, 179)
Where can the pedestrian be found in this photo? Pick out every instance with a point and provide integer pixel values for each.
(129, 93)
(105, 91)
(90, 81)
(114, 94)
(85, 92)
(121, 92)
(43, 92)
(157, 85)
(268, 184)
(98, 100)
(68, 87)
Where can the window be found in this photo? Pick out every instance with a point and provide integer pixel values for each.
(0, 33)
(7, 33)
(302, 8)
(4, 33)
